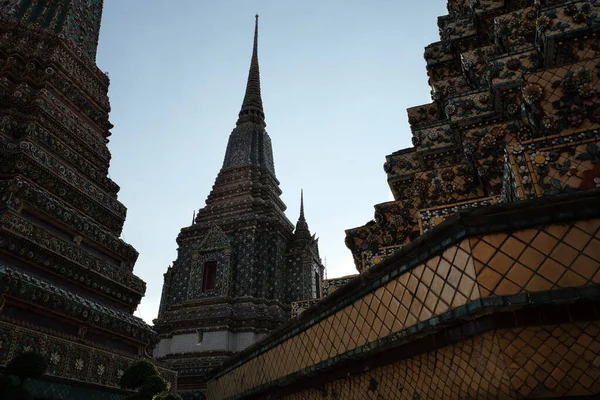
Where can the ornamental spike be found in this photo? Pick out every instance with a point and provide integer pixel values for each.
(252, 108)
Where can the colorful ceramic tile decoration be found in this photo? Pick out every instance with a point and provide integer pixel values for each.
(328, 286)
(513, 117)
(298, 307)
(481, 279)
(68, 290)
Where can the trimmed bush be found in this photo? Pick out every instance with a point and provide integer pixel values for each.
(169, 396)
(16, 393)
(153, 385)
(135, 375)
(145, 377)
(27, 365)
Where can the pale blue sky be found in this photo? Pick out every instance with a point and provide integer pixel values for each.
(336, 75)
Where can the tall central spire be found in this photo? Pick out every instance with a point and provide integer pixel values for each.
(249, 143)
(252, 108)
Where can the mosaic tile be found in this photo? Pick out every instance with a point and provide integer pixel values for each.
(535, 261)
(424, 114)
(510, 69)
(515, 31)
(547, 361)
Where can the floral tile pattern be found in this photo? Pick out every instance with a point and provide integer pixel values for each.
(563, 100)
(456, 28)
(562, 164)
(563, 19)
(508, 68)
(424, 114)
(473, 105)
(449, 87)
(329, 286)
(434, 137)
(438, 52)
(515, 30)
(400, 165)
(66, 358)
(475, 64)
(298, 307)
(461, 7)
(447, 186)
(431, 217)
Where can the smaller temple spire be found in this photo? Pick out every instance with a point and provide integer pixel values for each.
(302, 230)
(252, 108)
(302, 205)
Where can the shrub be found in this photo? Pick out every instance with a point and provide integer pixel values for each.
(152, 385)
(27, 365)
(135, 375)
(168, 396)
(144, 376)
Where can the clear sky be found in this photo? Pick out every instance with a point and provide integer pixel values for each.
(336, 76)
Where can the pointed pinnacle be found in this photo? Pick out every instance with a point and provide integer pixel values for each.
(302, 231)
(301, 205)
(252, 108)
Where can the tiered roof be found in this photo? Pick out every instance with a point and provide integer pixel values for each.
(510, 81)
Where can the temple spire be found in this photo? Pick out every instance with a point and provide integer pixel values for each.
(302, 205)
(301, 226)
(252, 109)
(249, 143)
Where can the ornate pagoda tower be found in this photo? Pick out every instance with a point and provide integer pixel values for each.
(511, 81)
(66, 280)
(240, 264)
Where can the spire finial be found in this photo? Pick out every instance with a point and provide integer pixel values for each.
(252, 109)
(302, 205)
(302, 232)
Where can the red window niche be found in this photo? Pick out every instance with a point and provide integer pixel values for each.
(209, 277)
